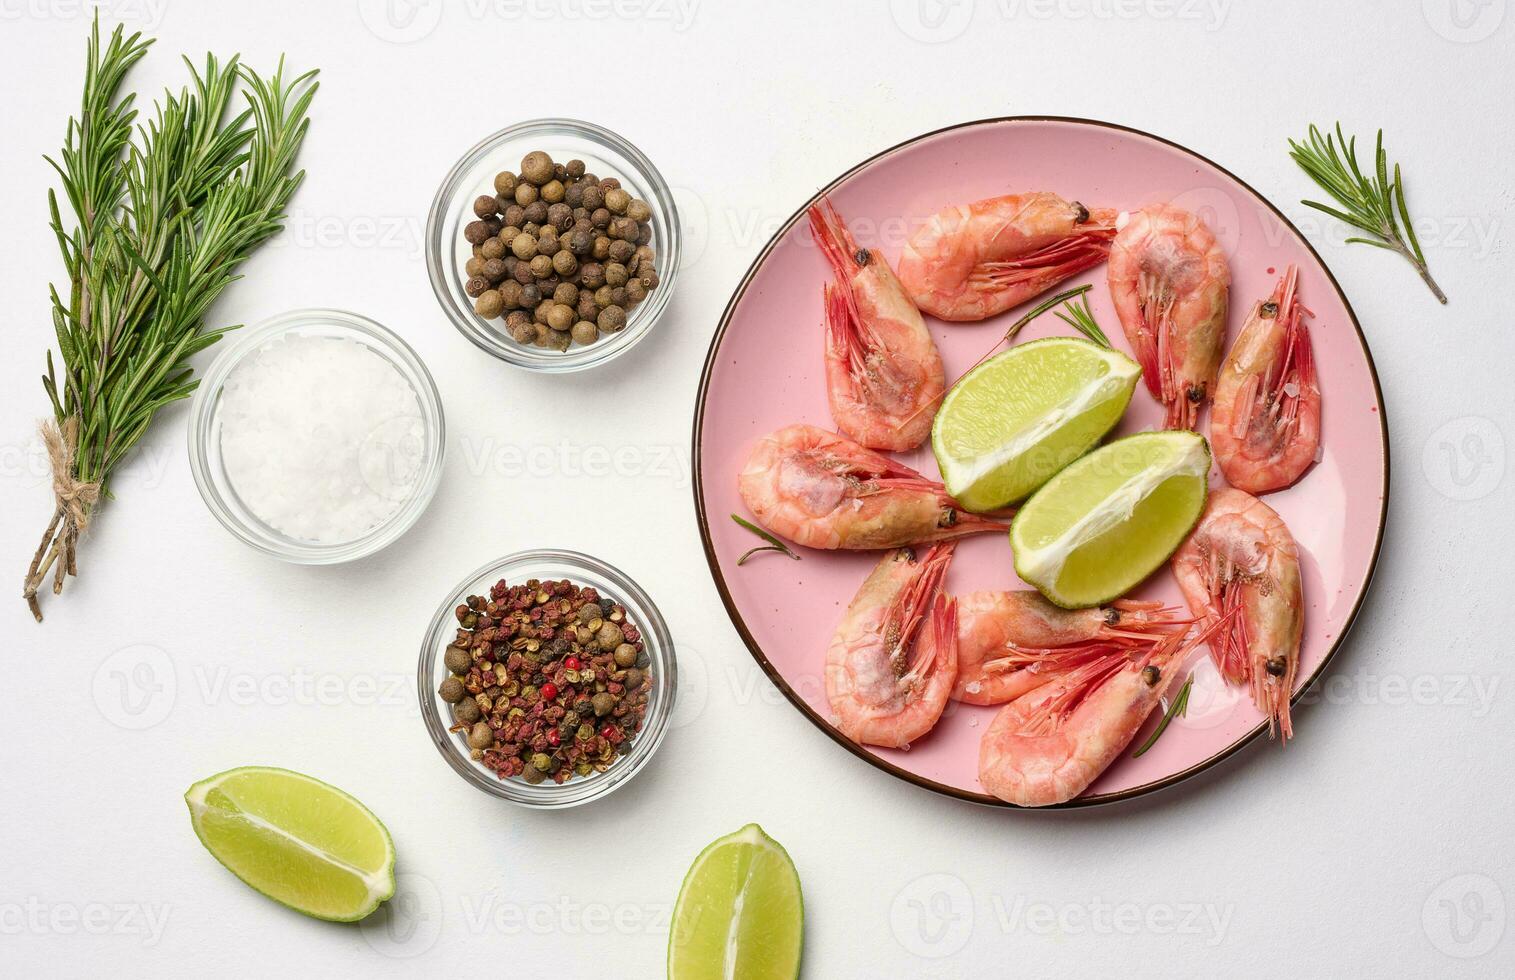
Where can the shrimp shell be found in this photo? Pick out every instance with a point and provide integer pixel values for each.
(822, 490)
(884, 375)
(1170, 282)
(1013, 642)
(1265, 423)
(970, 262)
(1241, 565)
(893, 658)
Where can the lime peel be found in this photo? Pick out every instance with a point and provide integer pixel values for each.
(281, 864)
(1047, 563)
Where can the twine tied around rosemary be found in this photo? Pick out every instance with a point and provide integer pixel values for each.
(73, 501)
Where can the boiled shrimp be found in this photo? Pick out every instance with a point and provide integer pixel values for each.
(973, 261)
(1049, 745)
(822, 490)
(1169, 279)
(1241, 565)
(883, 372)
(1265, 424)
(893, 659)
(1009, 643)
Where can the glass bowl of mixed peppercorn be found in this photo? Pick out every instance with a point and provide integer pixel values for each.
(547, 678)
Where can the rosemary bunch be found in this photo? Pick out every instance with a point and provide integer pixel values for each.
(1374, 205)
(162, 214)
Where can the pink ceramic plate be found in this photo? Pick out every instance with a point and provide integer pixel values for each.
(764, 371)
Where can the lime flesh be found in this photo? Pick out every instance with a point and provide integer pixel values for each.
(739, 913)
(297, 840)
(1108, 521)
(1014, 421)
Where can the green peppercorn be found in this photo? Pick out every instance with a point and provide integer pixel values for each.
(541, 761)
(585, 333)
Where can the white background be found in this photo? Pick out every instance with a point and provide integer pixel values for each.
(1378, 842)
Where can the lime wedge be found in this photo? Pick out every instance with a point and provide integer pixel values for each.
(1012, 422)
(1107, 521)
(739, 913)
(297, 840)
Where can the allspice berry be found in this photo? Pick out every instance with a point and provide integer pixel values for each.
(489, 304)
(611, 319)
(526, 194)
(483, 206)
(552, 191)
(523, 246)
(480, 736)
(617, 201)
(452, 690)
(505, 183)
(536, 167)
(585, 332)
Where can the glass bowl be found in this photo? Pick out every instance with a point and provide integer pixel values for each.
(209, 469)
(604, 153)
(582, 570)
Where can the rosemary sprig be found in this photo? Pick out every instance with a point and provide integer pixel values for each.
(1081, 318)
(1041, 308)
(774, 544)
(1374, 205)
(1177, 708)
(162, 214)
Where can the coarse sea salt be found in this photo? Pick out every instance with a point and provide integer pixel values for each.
(321, 437)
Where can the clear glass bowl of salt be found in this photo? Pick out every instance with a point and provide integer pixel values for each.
(316, 436)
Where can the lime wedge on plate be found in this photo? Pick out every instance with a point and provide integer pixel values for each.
(1107, 521)
(1012, 422)
(297, 840)
(739, 913)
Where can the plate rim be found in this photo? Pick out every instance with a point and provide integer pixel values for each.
(756, 650)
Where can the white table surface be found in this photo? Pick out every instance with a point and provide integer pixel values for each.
(1379, 842)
